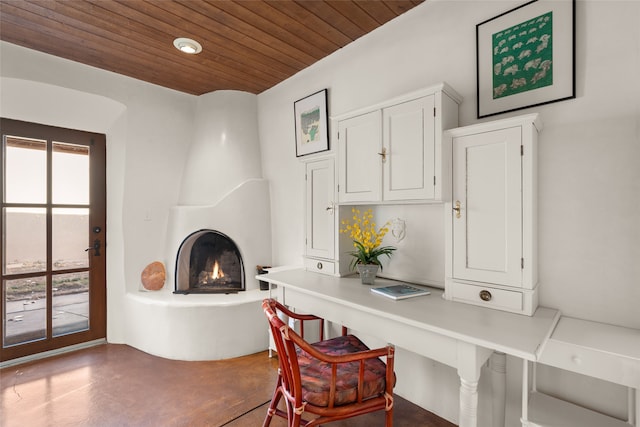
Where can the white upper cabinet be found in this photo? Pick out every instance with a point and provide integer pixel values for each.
(409, 156)
(392, 151)
(491, 234)
(359, 161)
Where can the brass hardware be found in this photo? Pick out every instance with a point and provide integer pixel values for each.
(329, 208)
(319, 265)
(456, 208)
(383, 154)
(485, 295)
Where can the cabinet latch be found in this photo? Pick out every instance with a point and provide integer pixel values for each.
(456, 208)
(383, 154)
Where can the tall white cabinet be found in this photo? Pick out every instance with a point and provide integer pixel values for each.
(320, 216)
(491, 224)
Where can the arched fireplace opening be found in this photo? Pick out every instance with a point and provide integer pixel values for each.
(208, 261)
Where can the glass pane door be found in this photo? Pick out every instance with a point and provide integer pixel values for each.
(53, 220)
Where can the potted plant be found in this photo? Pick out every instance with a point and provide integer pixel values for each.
(366, 241)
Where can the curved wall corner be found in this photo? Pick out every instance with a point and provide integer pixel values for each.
(225, 151)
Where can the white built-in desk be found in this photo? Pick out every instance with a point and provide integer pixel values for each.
(456, 334)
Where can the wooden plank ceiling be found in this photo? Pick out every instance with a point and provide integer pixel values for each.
(248, 45)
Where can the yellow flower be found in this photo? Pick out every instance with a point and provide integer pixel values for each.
(366, 239)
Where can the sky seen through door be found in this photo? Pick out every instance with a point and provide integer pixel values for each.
(26, 177)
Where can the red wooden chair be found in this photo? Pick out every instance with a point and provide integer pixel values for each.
(332, 379)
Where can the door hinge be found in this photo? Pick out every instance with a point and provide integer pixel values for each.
(434, 111)
(338, 188)
(338, 136)
(522, 150)
(305, 176)
(522, 263)
(434, 180)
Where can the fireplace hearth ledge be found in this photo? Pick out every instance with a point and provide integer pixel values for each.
(203, 299)
(197, 327)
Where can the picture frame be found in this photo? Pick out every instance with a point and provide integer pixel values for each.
(311, 124)
(525, 57)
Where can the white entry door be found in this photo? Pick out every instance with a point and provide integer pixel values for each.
(53, 223)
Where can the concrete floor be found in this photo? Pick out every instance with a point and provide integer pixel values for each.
(117, 385)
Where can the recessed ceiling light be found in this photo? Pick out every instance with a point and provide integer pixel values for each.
(187, 45)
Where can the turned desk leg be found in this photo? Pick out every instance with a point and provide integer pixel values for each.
(498, 364)
(470, 361)
(469, 393)
(468, 403)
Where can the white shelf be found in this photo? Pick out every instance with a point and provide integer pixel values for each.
(548, 411)
(607, 352)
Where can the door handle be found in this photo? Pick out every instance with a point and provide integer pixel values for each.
(456, 208)
(95, 247)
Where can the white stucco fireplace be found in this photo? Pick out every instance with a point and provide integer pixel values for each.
(222, 192)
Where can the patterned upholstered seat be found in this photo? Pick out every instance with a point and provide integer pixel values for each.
(316, 375)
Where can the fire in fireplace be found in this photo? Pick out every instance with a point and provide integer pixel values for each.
(209, 262)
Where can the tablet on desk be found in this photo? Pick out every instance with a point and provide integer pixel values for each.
(400, 291)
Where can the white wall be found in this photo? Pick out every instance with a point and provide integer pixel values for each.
(149, 130)
(589, 180)
(223, 153)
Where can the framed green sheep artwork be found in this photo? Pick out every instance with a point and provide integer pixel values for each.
(526, 57)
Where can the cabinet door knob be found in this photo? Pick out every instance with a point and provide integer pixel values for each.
(456, 208)
(383, 154)
(485, 295)
(319, 266)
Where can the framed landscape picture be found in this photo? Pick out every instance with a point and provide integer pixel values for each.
(312, 129)
(526, 57)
